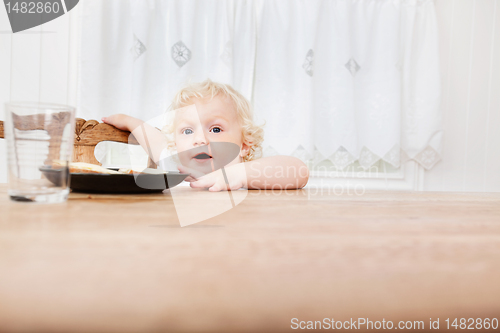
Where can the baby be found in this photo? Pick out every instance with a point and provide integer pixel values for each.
(213, 123)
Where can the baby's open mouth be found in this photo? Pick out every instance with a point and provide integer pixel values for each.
(202, 156)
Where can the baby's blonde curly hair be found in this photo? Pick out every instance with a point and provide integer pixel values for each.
(252, 134)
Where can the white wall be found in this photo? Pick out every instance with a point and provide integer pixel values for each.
(41, 64)
(470, 62)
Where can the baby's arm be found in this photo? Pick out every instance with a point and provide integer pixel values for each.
(151, 139)
(276, 172)
(269, 173)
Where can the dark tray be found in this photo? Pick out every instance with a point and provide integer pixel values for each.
(117, 184)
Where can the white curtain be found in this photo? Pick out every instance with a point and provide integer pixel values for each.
(343, 80)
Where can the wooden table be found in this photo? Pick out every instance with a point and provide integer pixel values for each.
(123, 264)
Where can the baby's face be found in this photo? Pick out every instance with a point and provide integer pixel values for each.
(213, 120)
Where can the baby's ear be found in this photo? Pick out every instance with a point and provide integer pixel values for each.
(245, 148)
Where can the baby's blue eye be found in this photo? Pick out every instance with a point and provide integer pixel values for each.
(216, 130)
(188, 131)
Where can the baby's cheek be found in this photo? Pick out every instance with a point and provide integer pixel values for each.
(180, 145)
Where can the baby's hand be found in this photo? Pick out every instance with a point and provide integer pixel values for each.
(120, 121)
(216, 182)
(193, 174)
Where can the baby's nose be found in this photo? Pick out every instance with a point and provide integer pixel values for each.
(199, 139)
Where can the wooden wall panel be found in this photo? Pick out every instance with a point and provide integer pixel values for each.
(470, 63)
(491, 181)
(445, 12)
(477, 95)
(455, 114)
(5, 42)
(25, 65)
(54, 61)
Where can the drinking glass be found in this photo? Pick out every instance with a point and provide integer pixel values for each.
(39, 149)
